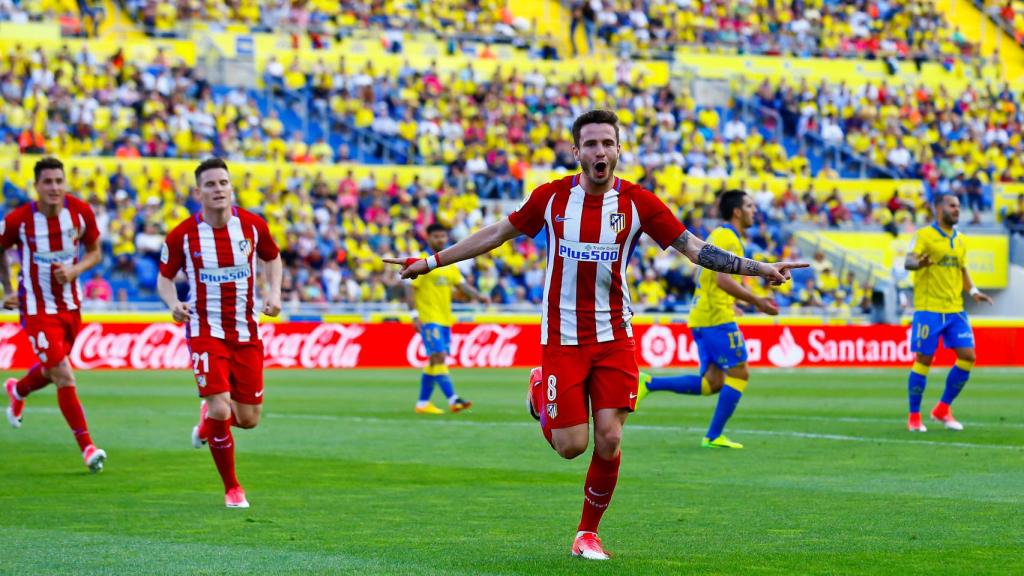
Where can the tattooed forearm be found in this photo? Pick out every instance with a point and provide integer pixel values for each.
(714, 258)
(681, 242)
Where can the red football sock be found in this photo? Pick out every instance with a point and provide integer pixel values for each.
(32, 381)
(597, 491)
(222, 447)
(941, 410)
(204, 428)
(67, 399)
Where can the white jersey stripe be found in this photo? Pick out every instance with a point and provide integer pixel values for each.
(552, 249)
(567, 295)
(67, 225)
(45, 275)
(603, 283)
(190, 271)
(242, 284)
(634, 229)
(208, 248)
(31, 305)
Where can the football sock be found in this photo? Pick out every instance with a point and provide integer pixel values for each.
(445, 383)
(597, 490)
(30, 382)
(204, 428)
(682, 384)
(916, 384)
(222, 448)
(955, 381)
(427, 380)
(67, 399)
(728, 399)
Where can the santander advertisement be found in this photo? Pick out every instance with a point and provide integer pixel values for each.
(306, 345)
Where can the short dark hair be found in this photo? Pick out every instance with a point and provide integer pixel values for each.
(436, 227)
(209, 164)
(938, 199)
(729, 202)
(48, 163)
(594, 117)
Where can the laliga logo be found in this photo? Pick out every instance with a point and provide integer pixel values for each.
(486, 345)
(7, 349)
(658, 346)
(787, 353)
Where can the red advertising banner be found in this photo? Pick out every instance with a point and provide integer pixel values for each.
(308, 345)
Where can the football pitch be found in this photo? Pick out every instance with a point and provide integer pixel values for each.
(344, 478)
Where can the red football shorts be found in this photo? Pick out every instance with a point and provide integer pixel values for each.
(233, 367)
(52, 335)
(602, 375)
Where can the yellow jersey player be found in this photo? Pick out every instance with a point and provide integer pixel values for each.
(939, 258)
(430, 298)
(722, 351)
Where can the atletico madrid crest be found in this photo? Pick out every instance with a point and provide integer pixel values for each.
(552, 410)
(245, 247)
(617, 221)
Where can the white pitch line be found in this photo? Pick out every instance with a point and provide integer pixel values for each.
(637, 427)
(654, 428)
(860, 420)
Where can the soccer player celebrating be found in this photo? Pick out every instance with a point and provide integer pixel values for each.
(48, 232)
(939, 257)
(593, 221)
(430, 298)
(723, 353)
(217, 248)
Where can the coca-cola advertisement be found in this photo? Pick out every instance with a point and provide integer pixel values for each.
(306, 345)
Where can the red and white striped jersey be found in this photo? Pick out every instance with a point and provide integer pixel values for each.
(44, 243)
(220, 265)
(590, 242)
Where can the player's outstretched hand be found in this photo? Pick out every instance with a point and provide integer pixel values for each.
(272, 307)
(11, 301)
(778, 273)
(980, 297)
(181, 312)
(411, 267)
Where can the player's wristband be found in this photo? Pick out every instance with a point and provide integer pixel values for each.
(433, 262)
(974, 291)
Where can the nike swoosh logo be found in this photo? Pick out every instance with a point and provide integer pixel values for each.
(258, 394)
(561, 219)
(224, 439)
(594, 493)
(632, 396)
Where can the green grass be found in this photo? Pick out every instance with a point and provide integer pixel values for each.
(344, 478)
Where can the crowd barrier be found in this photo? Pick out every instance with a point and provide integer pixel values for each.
(310, 345)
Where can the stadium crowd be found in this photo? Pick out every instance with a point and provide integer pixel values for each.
(901, 29)
(495, 129)
(1009, 14)
(489, 132)
(324, 20)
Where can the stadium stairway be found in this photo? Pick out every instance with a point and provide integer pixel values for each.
(977, 27)
(117, 23)
(550, 17)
